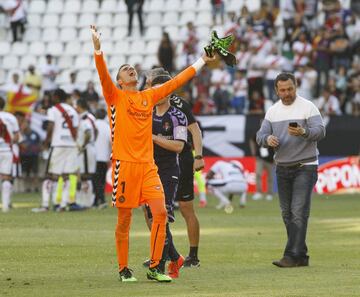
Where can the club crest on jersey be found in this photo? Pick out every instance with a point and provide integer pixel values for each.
(144, 103)
(121, 199)
(166, 126)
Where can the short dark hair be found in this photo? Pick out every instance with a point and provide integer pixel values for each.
(284, 76)
(82, 103)
(2, 103)
(100, 113)
(117, 75)
(160, 79)
(60, 94)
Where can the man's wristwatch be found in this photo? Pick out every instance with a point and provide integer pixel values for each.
(198, 157)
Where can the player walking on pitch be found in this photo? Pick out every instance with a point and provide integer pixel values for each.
(135, 177)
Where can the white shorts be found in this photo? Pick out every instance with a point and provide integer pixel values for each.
(87, 160)
(6, 161)
(229, 187)
(63, 160)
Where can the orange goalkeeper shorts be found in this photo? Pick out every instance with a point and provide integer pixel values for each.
(135, 183)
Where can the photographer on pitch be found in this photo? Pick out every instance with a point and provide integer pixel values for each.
(292, 126)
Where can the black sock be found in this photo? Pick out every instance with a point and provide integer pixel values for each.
(193, 252)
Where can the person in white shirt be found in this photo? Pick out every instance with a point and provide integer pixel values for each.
(9, 134)
(73, 85)
(49, 72)
(302, 50)
(328, 104)
(227, 178)
(63, 121)
(240, 85)
(306, 77)
(103, 152)
(14, 86)
(16, 9)
(86, 137)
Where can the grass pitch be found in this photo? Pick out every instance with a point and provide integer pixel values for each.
(73, 254)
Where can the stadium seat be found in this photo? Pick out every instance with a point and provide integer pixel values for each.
(32, 34)
(86, 19)
(203, 32)
(50, 20)
(137, 47)
(121, 47)
(68, 34)
(170, 18)
(82, 62)
(152, 47)
(150, 61)
(108, 6)
(153, 33)
(116, 61)
(87, 48)
(204, 18)
(122, 6)
(104, 20)
(72, 6)
(4, 48)
(153, 19)
(37, 48)
(55, 48)
(2, 76)
(189, 5)
(19, 48)
(64, 76)
(26, 61)
(84, 34)
(107, 46)
(135, 59)
(204, 5)
(186, 17)
(121, 19)
(68, 20)
(173, 31)
(34, 20)
(119, 33)
(173, 5)
(90, 6)
(84, 75)
(156, 6)
(106, 34)
(50, 34)
(72, 48)
(65, 62)
(37, 6)
(10, 62)
(55, 7)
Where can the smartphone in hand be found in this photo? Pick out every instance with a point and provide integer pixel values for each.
(293, 124)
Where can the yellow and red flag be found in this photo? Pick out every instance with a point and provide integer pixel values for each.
(20, 101)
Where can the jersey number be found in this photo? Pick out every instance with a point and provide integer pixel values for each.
(65, 124)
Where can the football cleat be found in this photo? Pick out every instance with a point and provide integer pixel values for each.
(191, 262)
(155, 274)
(126, 275)
(174, 267)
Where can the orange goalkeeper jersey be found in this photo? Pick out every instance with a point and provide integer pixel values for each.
(131, 113)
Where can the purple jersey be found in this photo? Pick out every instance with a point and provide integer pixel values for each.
(171, 125)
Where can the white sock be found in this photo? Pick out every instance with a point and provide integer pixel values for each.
(243, 198)
(65, 194)
(54, 192)
(222, 198)
(46, 192)
(202, 196)
(90, 196)
(6, 188)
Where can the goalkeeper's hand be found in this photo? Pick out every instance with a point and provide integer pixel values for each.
(95, 37)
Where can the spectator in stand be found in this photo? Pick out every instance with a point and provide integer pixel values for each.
(274, 64)
(328, 104)
(256, 103)
(218, 8)
(306, 78)
(302, 50)
(135, 6)
(243, 56)
(288, 11)
(190, 44)
(204, 105)
(49, 72)
(33, 81)
(220, 82)
(166, 53)
(255, 70)
(73, 85)
(239, 100)
(16, 10)
(244, 17)
(321, 57)
(340, 48)
(14, 86)
(30, 148)
(91, 96)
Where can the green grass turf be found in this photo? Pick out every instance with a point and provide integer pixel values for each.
(73, 254)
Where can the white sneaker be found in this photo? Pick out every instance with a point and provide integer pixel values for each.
(269, 197)
(221, 205)
(257, 196)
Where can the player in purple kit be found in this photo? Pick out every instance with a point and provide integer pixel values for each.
(169, 137)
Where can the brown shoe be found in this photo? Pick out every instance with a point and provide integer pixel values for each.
(287, 262)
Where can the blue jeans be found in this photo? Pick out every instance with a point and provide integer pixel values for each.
(295, 185)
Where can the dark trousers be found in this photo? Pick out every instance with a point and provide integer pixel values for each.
(131, 8)
(295, 185)
(17, 28)
(99, 182)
